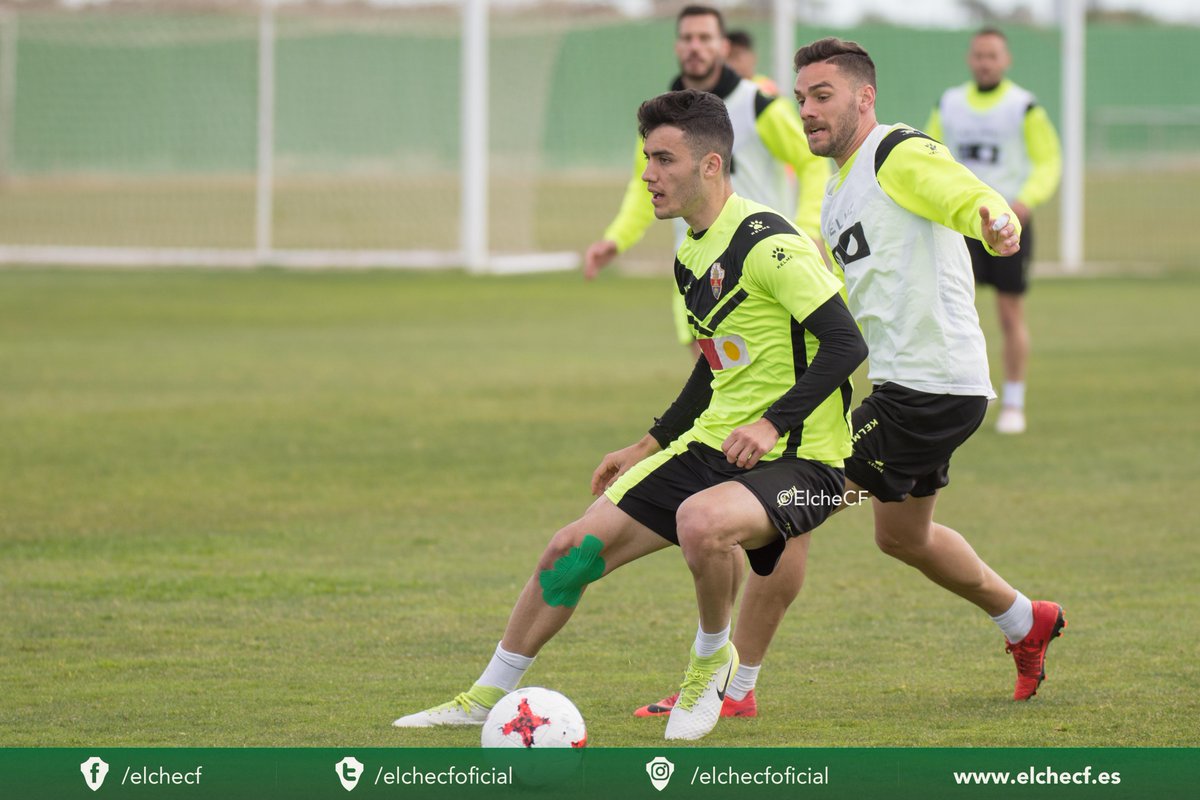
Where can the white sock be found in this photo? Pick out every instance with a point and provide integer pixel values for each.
(1014, 394)
(505, 670)
(1017, 622)
(743, 682)
(709, 643)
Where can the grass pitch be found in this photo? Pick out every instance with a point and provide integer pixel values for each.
(283, 509)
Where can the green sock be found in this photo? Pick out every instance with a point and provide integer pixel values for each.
(484, 696)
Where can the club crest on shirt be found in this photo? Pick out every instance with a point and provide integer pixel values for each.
(716, 279)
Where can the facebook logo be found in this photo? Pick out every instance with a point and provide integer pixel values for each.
(94, 771)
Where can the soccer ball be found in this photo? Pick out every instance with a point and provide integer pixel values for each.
(534, 717)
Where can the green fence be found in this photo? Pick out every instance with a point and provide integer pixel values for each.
(367, 124)
(162, 92)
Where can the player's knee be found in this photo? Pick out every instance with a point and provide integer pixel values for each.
(558, 546)
(569, 563)
(889, 545)
(698, 528)
(906, 546)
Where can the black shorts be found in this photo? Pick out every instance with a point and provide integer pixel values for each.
(798, 494)
(903, 440)
(1009, 274)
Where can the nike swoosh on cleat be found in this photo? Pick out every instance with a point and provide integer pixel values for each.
(723, 689)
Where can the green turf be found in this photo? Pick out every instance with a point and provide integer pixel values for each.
(283, 509)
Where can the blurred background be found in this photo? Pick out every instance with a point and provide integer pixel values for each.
(236, 132)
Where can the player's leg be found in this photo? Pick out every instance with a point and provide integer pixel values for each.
(603, 539)
(578, 554)
(906, 531)
(753, 514)
(1011, 279)
(903, 443)
(713, 527)
(765, 601)
(1011, 312)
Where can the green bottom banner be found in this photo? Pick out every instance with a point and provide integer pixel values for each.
(625, 773)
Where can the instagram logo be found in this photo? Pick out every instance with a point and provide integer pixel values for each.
(660, 771)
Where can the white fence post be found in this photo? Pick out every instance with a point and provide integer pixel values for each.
(784, 45)
(474, 133)
(264, 182)
(1074, 35)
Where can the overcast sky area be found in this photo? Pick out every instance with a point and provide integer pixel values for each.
(924, 13)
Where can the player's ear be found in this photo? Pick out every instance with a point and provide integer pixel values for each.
(866, 96)
(713, 164)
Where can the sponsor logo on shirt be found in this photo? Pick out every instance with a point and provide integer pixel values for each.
(724, 352)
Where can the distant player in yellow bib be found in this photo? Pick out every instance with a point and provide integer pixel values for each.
(999, 131)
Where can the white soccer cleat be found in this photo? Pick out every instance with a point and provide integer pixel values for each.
(702, 694)
(1011, 420)
(459, 712)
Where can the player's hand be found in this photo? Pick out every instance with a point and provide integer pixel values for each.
(747, 444)
(597, 257)
(1003, 239)
(617, 463)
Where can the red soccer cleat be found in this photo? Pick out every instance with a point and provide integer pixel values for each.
(1030, 652)
(746, 707)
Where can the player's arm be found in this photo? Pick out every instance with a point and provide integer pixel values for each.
(922, 177)
(630, 224)
(675, 421)
(778, 125)
(812, 296)
(1045, 157)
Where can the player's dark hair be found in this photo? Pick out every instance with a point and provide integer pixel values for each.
(701, 11)
(990, 31)
(849, 57)
(740, 38)
(701, 116)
